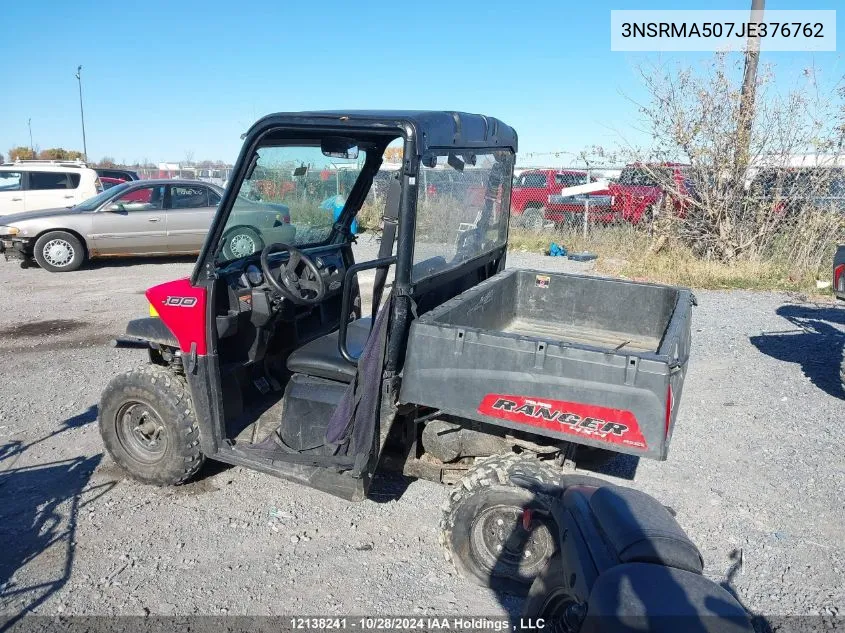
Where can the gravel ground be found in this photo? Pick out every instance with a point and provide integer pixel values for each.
(756, 467)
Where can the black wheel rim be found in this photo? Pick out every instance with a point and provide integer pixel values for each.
(141, 432)
(501, 544)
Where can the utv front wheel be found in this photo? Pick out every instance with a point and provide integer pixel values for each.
(148, 426)
(497, 527)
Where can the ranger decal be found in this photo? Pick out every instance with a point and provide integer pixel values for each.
(614, 426)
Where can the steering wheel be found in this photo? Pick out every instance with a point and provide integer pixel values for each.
(298, 279)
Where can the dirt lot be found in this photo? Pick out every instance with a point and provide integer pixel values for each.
(756, 467)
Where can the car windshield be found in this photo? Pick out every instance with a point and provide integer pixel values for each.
(531, 179)
(293, 196)
(799, 183)
(645, 176)
(92, 203)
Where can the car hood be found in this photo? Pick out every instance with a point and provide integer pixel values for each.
(15, 218)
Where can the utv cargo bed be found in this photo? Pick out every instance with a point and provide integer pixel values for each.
(585, 359)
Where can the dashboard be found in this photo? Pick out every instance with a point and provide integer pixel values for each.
(243, 277)
(248, 310)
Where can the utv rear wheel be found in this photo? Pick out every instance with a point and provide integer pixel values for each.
(148, 426)
(59, 252)
(496, 526)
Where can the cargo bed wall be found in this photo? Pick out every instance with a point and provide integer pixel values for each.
(577, 358)
(591, 311)
(614, 311)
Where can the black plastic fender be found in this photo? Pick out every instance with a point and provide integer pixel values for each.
(153, 330)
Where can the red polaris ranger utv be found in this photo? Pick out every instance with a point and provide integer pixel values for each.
(463, 372)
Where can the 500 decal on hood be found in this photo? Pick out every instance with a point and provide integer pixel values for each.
(615, 426)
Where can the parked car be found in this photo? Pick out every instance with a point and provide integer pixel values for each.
(642, 188)
(789, 190)
(108, 183)
(536, 199)
(146, 217)
(120, 174)
(34, 185)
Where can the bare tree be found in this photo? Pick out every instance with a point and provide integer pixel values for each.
(729, 206)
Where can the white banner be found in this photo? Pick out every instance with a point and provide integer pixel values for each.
(722, 30)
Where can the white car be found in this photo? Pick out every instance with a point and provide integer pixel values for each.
(34, 185)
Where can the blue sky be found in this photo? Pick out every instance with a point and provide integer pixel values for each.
(163, 80)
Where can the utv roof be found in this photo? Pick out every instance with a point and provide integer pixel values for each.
(432, 129)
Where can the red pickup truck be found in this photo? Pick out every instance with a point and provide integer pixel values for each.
(641, 188)
(536, 198)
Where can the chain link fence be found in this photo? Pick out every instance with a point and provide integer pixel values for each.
(564, 199)
(215, 175)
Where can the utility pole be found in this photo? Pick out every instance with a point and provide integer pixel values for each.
(82, 113)
(749, 90)
(31, 146)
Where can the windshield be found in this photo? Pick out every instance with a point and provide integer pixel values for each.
(531, 179)
(798, 183)
(645, 176)
(293, 196)
(462, 209)
(92, 203)
(571, 179)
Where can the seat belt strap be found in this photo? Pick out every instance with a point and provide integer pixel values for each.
(388, 237)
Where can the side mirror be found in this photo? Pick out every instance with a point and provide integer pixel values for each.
(115, 207)
(430, 161)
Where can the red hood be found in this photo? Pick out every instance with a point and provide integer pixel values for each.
(181, 308)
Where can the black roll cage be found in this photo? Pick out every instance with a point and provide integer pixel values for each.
(422, 133)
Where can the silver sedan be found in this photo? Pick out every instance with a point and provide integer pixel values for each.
(144, 217)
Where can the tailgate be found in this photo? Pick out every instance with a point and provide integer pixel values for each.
(624, 400)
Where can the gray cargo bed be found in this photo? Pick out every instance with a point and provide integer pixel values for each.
(586, 359)
(583, 334)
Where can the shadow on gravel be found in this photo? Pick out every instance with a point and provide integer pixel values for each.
(388, 486)
(623, 466)
(815, 344)
(10, 451)
(39, 507)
